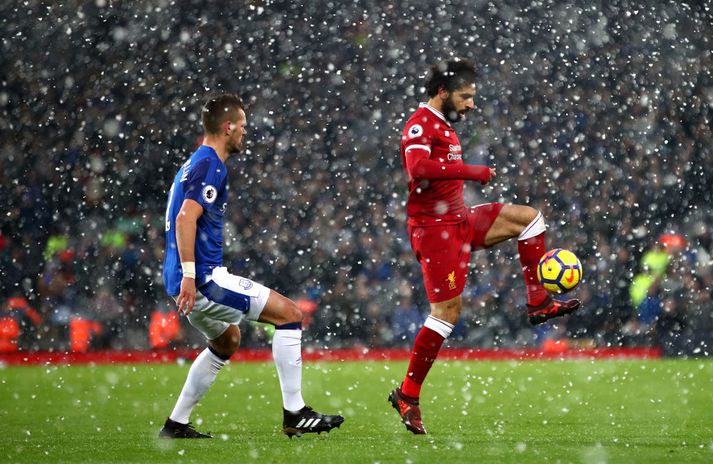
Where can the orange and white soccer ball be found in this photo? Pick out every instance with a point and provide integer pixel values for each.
(559, 271)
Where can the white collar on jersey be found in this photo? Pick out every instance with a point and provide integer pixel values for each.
(434, 111)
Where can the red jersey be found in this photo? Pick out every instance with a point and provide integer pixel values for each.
(432, 202)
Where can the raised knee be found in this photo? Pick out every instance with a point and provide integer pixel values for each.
(290, 317)
(294, 314)
(532, 214)
(534, 224)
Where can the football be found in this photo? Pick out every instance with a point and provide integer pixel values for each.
(559, 271)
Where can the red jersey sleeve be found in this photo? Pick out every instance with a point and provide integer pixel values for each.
(417, 152)
(416, 145)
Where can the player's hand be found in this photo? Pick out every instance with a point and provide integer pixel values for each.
(492, 175)
(187, 298)
(482, 174)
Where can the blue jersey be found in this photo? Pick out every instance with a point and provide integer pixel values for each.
(203, 178)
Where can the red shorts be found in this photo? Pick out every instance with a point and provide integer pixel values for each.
(444, 250)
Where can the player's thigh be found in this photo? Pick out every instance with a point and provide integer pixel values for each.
(280, 310)
(226, 299)
(479, 221)
(444, 256)
(509, 223)
(201, 317)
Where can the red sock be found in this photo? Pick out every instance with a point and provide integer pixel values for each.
(531, 250)
(425, 352)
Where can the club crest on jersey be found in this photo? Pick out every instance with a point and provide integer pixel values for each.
(415, 131)
(452, 280)
(246, 284)
(209, 194)
(448, 133)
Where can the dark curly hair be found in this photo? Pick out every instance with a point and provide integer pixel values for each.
(450, 75)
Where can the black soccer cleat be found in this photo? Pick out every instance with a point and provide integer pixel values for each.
(549, 308)
(173, 429)
(307, 420)
(409, 411)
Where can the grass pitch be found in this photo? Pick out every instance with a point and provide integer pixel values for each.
(531, 411)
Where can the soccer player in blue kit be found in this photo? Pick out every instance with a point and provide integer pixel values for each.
(213, 299)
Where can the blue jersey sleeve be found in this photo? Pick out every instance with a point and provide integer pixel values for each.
(204, 182)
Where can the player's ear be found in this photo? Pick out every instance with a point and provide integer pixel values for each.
(228, 127)
(443, 93)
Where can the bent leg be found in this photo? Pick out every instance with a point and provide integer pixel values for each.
(280, 310)
(511, 222)
(528, 225)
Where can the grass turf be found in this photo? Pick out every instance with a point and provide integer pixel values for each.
(534, 411)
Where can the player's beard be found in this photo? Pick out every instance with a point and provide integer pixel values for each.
(450, 112)
(234, 147)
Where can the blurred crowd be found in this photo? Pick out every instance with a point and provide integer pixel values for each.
(597, 114)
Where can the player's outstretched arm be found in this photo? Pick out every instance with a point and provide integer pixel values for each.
(186, 240)
(421, 167)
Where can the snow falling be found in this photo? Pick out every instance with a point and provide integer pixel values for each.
(596, 113)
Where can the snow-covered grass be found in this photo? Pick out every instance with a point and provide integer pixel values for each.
(535, 411)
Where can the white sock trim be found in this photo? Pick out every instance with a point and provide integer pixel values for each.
(439, 326)
(535, 228)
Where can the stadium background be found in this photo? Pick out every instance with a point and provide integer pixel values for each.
(599, 114)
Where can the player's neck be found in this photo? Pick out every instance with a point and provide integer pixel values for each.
(217, 146)
(436, 103)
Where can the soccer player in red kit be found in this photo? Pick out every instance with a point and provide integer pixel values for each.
(444, 232)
